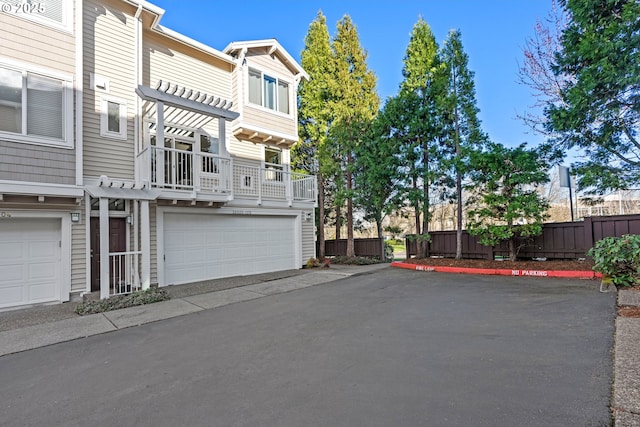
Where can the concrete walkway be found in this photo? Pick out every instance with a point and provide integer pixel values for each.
(626, 365)
(30, 328)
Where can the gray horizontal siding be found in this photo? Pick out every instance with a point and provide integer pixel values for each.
(35, 163)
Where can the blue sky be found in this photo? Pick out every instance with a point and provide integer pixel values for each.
(493, 34)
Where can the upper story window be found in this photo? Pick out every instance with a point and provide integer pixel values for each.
(210, 164)
(35, 107)
(113, 118)
(54, 13)
(267, 91)
(273, 164)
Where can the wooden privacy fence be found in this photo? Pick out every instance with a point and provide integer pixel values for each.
(561, 240)
(371, 247)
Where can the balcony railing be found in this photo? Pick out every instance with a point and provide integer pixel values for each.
(172, 169)
(273, 183)
(124, 274)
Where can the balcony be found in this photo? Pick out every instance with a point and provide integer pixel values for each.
(203, 176)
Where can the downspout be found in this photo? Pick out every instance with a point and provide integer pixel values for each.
(137, 78)
(79, 136)
(137, 128)
(88, 250)
(79, 26)
(240, 76)
(294, 105)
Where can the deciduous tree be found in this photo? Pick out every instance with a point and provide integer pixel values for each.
(537, 68)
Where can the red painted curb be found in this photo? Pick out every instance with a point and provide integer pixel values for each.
(499, 272)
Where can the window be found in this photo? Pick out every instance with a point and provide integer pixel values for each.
(255, 92)
(273, 164)
(283, 97)
(54, 13)
(35, 107)
(113, 118)
(268, 91)
(118, 205)
(210, 145)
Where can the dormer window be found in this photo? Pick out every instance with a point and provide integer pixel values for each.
(268, 92)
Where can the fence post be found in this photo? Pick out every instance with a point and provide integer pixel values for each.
(588, 233)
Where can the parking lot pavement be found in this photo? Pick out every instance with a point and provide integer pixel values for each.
(392, 348)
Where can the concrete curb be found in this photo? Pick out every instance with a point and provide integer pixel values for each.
(499, 272)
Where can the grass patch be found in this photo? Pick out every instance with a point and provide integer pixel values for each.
(116, 302)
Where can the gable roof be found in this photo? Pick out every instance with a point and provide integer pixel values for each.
(181, 38)
(274, 47)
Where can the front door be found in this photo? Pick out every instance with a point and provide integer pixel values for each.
(117, 243)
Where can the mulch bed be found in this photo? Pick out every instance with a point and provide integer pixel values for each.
(563, 265)
(629, 311)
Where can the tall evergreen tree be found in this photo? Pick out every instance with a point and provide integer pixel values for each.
(465, 133)
(312, 151)
(420, 107)
(354, 104)
(377, 170)
(601, 110)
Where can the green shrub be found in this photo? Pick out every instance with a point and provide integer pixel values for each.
(357, 260)
(116, 302)
(388, 251)
(312, 263)
(618, 258)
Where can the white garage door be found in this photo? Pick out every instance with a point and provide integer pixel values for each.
(30, 261)
(200, 247)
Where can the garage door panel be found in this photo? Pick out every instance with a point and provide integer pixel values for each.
(11, 274)
(11, 295)
(200, 246)
(41, 270)
(42, 249)
(10, 251)
(30, 261)
(41, 292)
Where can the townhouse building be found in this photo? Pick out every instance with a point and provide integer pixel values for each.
(133, 156)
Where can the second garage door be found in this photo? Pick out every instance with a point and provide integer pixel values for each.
(200, 247)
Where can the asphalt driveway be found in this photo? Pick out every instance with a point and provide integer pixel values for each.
(394, 348)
